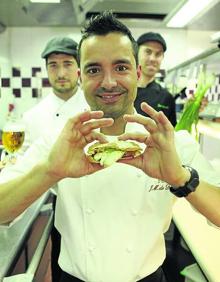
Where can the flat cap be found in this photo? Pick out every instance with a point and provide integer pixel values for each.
(63, 45)
(152, 36)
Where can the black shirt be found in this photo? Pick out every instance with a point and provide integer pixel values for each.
(158, 98)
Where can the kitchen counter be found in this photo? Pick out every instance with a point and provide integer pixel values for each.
(202, 238)
(12, 237)
(209, 128)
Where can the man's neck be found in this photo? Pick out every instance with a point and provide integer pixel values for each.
(118, 126)
(145, 80)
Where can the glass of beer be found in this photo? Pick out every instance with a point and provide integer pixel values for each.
(12, 137)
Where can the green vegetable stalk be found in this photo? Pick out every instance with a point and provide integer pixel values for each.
(190, 115)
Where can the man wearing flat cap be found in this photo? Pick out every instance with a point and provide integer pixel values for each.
(65, 100)
(66, 97)
(152, 47)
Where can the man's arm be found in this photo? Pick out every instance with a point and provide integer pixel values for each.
(66, 159)
(206, 199)
(161, 161)
(16, 195)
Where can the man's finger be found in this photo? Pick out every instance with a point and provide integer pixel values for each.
(158, 117)
(83, 117)
(139, 137)
(157, 120)
(87, 127)
(96, 136)
(147, 122)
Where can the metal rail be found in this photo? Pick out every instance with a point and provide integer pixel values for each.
(35, 261)
(32, 268)
(194, 59)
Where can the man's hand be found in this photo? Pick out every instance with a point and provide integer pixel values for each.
(67, 157)
(160, 159)
(204, 104)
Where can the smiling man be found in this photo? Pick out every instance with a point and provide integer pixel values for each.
(152, 47)
(112, 221)
(109, 85)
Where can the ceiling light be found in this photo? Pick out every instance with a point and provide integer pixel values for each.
(45, 1)
(188, 11)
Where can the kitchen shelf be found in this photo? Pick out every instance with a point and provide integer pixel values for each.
(209, 128)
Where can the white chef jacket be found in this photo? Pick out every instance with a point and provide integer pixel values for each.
(112, 222)
(43, 117)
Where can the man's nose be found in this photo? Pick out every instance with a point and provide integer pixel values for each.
(152, 57)
(61, 71)
(109, 81)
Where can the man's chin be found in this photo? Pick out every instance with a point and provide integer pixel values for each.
(113, 115)
(62, 90)
(151, 70)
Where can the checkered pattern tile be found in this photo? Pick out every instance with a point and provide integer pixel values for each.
(213, 94)
(23, 81)
(214, 91)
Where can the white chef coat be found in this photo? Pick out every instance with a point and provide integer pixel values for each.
(44, 116)
(112, 222)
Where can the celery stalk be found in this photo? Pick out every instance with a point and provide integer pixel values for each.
(190, 115)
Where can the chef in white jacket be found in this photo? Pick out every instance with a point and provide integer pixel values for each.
(65, 99)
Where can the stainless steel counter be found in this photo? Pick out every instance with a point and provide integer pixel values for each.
(12, 238)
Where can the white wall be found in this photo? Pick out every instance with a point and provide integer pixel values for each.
(5, 70)
(26, 44)
(22, 47)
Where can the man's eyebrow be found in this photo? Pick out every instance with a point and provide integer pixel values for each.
(118, 61)
(51, 62)
(122, 61)
(69, 61)
(66, 61)
(89, 65)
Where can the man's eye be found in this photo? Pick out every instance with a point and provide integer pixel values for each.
(158, 55)
(93, 70)
(68, 64)
(52, 66)
(121, 68)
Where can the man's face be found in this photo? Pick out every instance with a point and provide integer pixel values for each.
(109, 74)
(62, 72)
(150, 56)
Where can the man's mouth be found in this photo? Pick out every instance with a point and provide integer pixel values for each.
(110, 98)
(62, 81)
(152, 66)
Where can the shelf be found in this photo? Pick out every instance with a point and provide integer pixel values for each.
(209, 128)
(201, 237)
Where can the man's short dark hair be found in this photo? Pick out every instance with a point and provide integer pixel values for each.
(103, 24)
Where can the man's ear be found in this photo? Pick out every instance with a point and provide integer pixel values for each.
(138, 72)
(79, 75)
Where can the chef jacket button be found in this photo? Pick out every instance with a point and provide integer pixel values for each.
(134, 212)
(89, 211)
(139, 175)
(91, 248)
(57, 114)
(129, 250)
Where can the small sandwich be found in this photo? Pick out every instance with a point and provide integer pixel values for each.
(108, 153)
